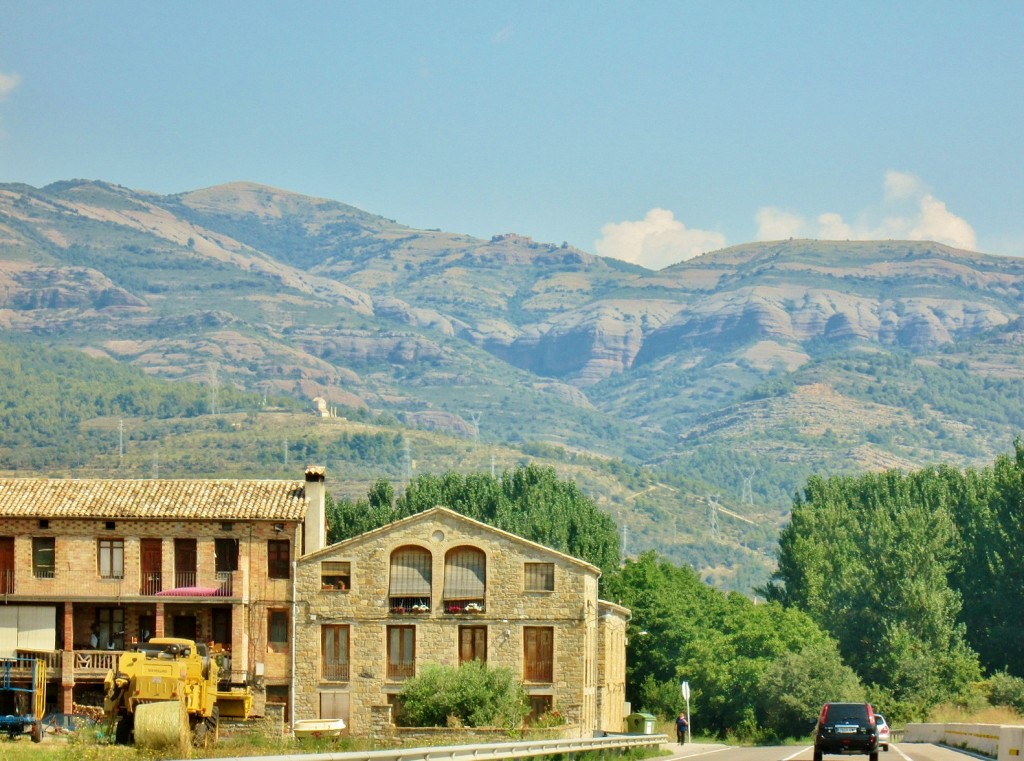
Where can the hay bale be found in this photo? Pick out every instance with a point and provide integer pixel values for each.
(162, 725)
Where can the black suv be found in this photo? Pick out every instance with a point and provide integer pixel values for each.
(846, 728)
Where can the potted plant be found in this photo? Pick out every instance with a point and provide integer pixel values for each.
(398, 609)
(454, 609)
(474, 607)
(420, 608)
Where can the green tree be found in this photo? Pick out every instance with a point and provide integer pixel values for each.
(868, 558)
(723, 645)
(531, 502)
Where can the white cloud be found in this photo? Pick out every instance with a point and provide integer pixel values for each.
(902, 186)
(656, 241)
(908, 212)
(833, 227)
(8, 83)
(939, 223)
(776, 224)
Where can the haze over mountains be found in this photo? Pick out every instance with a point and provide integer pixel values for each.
(736, 373)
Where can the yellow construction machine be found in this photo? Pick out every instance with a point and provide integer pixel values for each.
(164, 693)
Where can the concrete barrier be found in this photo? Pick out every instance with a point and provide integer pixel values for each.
(1000, 741)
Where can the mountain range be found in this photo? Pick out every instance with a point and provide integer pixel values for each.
(717, 385)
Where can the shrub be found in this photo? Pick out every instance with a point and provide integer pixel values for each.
(470, 695)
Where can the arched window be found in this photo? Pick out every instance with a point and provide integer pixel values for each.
(409, 590)
(465, 580)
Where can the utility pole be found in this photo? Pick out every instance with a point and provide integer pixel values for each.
(120, 442)
(214, 386)
(713, 514)
(747, 497)
(475, 416)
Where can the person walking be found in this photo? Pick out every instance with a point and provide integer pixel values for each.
(682, 725)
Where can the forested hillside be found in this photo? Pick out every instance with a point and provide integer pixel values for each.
(692, 403)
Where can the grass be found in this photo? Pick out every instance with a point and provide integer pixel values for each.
(990, 715)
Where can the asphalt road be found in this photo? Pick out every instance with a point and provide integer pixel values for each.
(900, 752)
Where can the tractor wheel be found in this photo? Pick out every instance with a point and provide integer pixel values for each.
(123, 732)
(213, 726)
(199, 737)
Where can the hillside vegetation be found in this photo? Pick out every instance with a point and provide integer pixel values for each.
(692, 402)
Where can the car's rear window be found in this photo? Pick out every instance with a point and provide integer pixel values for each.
(841, 712)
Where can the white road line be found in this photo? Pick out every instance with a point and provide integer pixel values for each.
(704, 752)
(809, 747)
(897, 749)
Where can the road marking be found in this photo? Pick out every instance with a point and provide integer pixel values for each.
(897, 749)
(705, 752)
(809, 747)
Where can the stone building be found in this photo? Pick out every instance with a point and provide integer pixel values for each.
(438, 587)
(89, 566)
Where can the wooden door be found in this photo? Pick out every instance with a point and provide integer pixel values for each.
(184, 562)
(7, 564)
(151, 565)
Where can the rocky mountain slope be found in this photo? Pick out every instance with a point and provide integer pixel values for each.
(740, 371)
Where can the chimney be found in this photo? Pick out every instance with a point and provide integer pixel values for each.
(314, 532)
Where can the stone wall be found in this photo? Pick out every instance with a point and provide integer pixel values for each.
(570, 611)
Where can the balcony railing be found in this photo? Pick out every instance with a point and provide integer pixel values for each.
(152, 583)
(335, 672)
(95, 662)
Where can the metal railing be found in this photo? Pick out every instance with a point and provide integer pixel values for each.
(487, 751)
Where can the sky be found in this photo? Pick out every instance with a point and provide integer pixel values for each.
(647, 131)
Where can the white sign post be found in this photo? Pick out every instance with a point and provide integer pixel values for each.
(685, 689)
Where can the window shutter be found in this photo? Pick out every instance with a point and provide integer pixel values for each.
(410, 572)
(465, 574)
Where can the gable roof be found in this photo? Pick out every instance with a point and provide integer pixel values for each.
(186, 499)
(444, 512)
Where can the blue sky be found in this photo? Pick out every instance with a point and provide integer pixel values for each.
(648, 131)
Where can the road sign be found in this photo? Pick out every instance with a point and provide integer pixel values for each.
(685, 688)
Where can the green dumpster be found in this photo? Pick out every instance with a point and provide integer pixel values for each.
(640, 723)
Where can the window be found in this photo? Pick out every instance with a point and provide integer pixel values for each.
(539, 705)
(44, 558)
(540, 577)
(465, 577)
(111, 558)
(538, 653)
(225, 550)
(277, 629)
(401, 652)
(472, 644)
(334, 653)
(278, 559)
(411, 577)
(335, 574)
(109, 628)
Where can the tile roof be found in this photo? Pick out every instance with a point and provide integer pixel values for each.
(156, 499)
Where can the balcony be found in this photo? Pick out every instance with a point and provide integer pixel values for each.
(335, 672)
(81, 584)
(464, 607)
(414, 606)
(190, 585)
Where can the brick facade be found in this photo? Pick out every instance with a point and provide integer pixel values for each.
(123, 558)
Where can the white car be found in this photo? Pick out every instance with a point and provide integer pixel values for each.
(883, 731)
